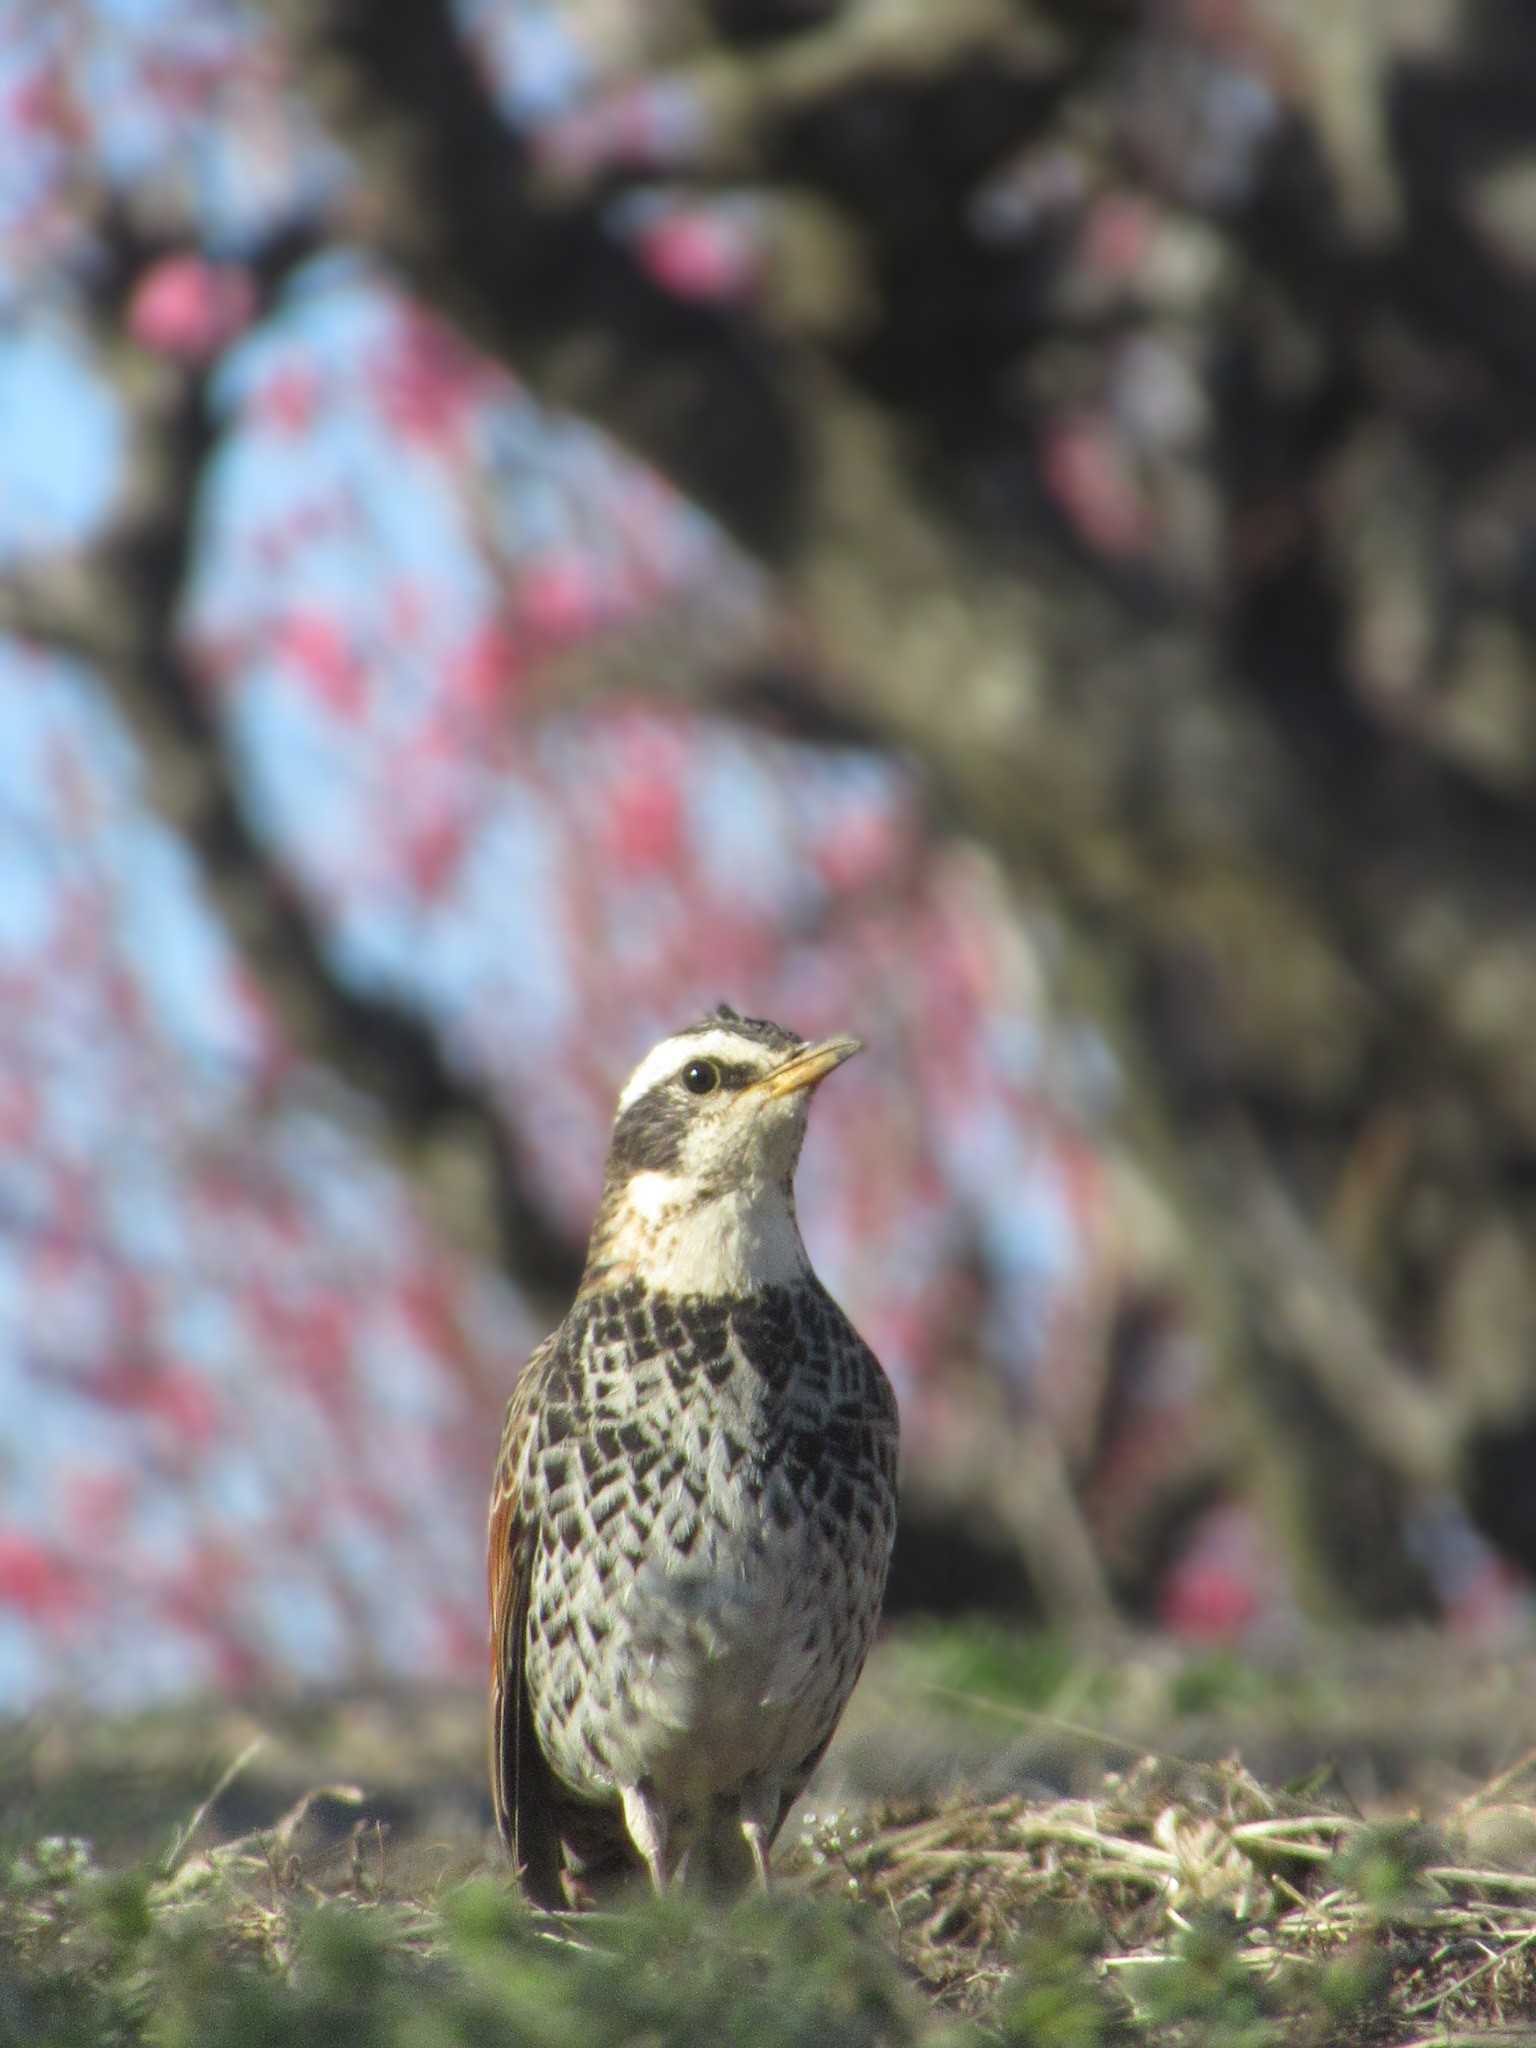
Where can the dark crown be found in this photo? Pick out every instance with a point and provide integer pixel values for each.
(774, 1036)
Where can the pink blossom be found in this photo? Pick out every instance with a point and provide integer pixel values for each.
(866, 847)
(1492, 1602)
(180, 1399)
(97, 1501)
(1089, 477)
(1117, 235)
(1226, 1578)
(1207, 1601)
(42, 1585)
(697, 255)
(483, 670)
(646, 822)
(318, 645)
(428, 380)
(557, 601)
(189, 308)
(433, 851)
(44, 105)
(288, 401)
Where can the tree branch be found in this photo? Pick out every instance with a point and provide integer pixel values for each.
(545, 284)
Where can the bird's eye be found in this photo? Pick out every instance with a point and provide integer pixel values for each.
(700, 1077)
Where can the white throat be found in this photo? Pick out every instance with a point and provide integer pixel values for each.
(730, 1243)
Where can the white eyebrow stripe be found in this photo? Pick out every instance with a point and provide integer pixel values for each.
(663, 1060)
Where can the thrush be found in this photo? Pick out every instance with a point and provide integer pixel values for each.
(695, 1498)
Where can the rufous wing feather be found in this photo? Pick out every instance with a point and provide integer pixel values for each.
(522, 1785)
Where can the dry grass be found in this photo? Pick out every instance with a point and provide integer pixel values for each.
(1173, 1901)
(1438, 1923)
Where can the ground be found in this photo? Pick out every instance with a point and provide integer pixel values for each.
(1015, 1840)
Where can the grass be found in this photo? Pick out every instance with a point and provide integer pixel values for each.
(1170, 1904)
(1195, 1899)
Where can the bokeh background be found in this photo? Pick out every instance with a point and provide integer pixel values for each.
(1007, 527)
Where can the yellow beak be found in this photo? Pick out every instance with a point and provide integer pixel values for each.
(806, 1068)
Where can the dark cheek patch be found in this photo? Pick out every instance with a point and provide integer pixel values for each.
(648, 1137)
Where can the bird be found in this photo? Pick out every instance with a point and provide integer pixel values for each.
(694, 1501)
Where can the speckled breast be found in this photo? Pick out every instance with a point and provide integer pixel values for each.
(715, 1484)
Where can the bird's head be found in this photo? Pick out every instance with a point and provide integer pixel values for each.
(697, 1195)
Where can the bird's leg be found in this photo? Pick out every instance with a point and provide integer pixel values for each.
(647, 1825)
(757, 1842)
(759, 1812)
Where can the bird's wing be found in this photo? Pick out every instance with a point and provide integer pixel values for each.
(522, 1785)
